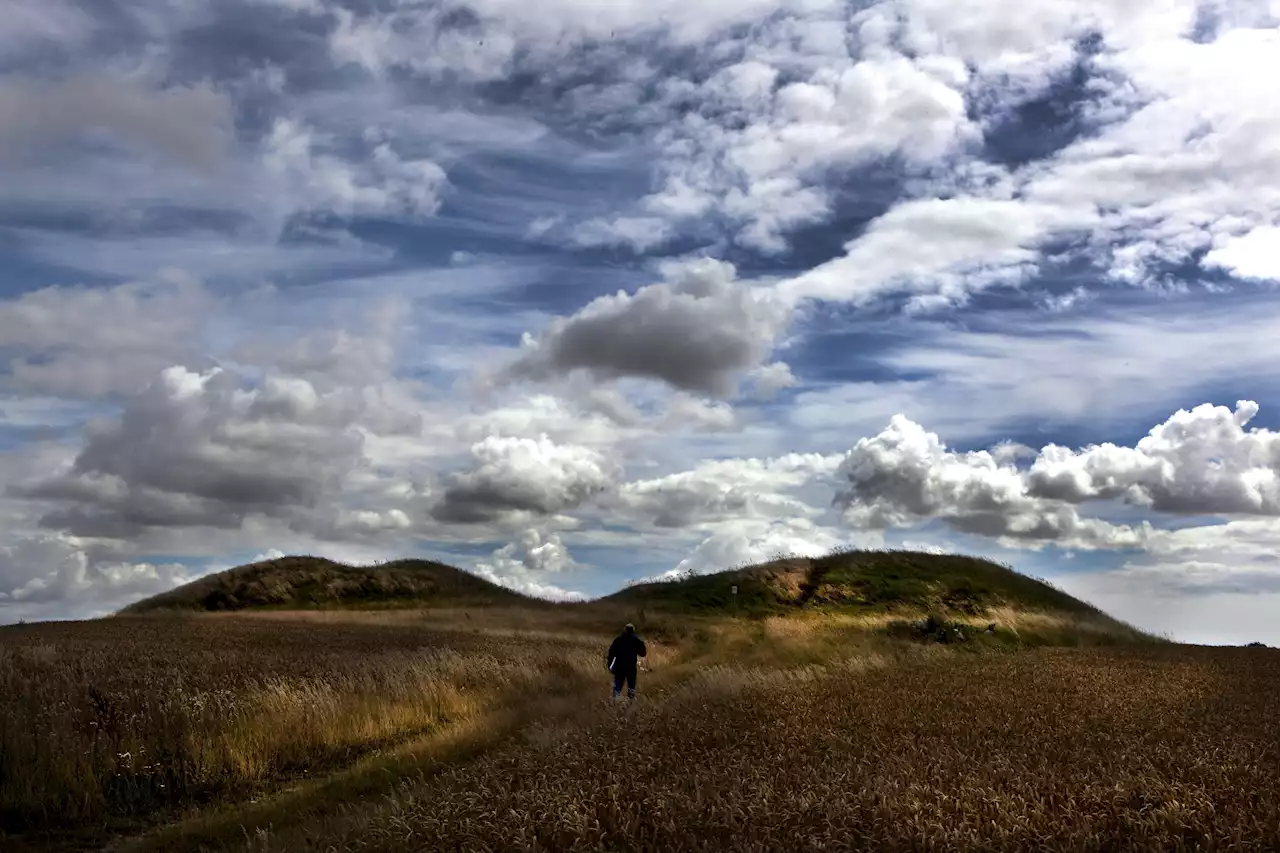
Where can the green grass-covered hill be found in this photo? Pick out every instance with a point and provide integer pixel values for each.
(301, 582)
(863, 579)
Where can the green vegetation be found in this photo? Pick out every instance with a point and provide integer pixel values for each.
(301, 582)
(866, 580)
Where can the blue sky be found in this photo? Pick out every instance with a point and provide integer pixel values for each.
(574, 293)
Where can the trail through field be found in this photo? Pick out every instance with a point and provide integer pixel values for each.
(1173, 749)
(747, 735)
(305, 812)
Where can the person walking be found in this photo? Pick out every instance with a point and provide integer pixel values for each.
(623, 659)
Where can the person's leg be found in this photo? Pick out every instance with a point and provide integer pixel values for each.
(617, 684)
(631, 684)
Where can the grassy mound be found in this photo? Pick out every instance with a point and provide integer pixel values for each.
(884, 580)
(292, 583)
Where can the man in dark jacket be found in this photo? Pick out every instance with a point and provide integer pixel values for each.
(623, 658)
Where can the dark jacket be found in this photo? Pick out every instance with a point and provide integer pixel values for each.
(624, 651)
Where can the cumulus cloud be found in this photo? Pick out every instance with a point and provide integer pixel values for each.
(1204, 460)
(725, 490)
(749, 541)
(772, 378)
(523, 477)
(523, 565)
(697, 331)
(198, 449)
(906, 475)
(92, 342)
(1198, 462)
(1254, 254)
(40, 570)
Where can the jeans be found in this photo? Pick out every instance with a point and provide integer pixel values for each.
(629, 676)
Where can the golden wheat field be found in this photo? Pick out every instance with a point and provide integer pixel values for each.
(106, 723)
(1079, 750)
(392, 732)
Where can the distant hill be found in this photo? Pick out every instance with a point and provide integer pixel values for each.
(865, 579)
(314, 582)
(906, 584)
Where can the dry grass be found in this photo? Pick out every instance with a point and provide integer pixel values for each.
(1163, 749)
(109, 723)
(485, 729)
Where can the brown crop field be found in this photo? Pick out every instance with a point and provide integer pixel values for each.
(1084, 750)
(488, 730)
(109, 723)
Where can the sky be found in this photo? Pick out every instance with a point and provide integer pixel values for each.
(574, 293)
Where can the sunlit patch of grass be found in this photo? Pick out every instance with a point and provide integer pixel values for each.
(126, 719)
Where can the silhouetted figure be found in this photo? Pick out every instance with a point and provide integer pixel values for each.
(623, 659)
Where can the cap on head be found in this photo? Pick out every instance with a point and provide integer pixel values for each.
(630, 629)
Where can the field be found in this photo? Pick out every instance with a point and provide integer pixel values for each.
(488, 729)
(1163, 750)
(110, 723)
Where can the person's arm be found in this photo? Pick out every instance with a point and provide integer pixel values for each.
(611, 654)
(644, 652)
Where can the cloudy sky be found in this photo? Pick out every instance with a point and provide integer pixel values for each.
(574, 292)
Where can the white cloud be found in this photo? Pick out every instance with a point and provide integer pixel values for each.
(725, 490)
(905, 475)
(997, 35)
(935, 245)
(523, 565)
(748, 541)
(100, 341)
(1198, 461)
(1094, 371)
(696, 330)
(58, 570)
(307, 177)
(1255, 254)
(641, 233)
(761, 160)
(523, 476)
(687, 411)
(202, 449)
(1185, 161)
(772, 378)
(1208, 583)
